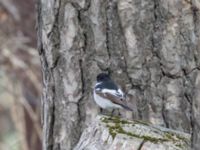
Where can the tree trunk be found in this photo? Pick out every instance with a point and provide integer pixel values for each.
(150, 47)
(113, 133)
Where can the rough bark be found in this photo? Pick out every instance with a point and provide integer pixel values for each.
(150, 47)
(112, 133)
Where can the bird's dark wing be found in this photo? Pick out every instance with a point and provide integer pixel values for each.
(119, 100)
(110, 87)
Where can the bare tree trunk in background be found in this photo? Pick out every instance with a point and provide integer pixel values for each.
(150, 47)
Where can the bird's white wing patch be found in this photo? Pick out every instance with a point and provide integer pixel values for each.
(120, 91)
(113, 92)
(117, 93)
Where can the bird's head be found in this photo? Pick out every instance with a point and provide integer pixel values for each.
(103, 77)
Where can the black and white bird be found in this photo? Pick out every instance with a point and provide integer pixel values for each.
(107, 94)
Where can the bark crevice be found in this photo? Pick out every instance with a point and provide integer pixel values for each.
(141, 145)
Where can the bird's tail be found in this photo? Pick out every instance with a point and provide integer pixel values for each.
(127, 108)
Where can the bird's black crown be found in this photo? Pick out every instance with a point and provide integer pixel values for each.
(102, 77)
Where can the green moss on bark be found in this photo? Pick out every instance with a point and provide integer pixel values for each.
(115, 126)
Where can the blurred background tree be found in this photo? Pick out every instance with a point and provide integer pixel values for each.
(20, 77)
